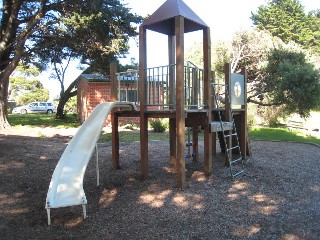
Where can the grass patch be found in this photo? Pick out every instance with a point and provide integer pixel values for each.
(281, 134)
(258, 133)
(42, 120)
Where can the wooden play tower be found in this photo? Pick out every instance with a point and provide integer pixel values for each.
(181, 92)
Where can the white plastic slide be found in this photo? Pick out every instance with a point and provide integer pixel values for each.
(66, 186)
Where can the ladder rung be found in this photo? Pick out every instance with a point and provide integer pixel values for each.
(230, 135)
(228, 149)
(236, 160)
(238, 173)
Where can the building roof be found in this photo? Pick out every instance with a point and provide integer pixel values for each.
(95, 77)
(163, 19)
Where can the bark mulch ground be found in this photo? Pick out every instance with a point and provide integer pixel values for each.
(277, 198)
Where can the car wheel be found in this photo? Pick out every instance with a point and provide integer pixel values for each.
(23, 111)
(49, 111)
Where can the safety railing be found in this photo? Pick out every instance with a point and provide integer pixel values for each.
(160, 86)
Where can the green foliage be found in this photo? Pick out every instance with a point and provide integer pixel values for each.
(71, 105)
(158, 126)
(287, 20)
(11, 106)
(272, 115)
(293, 81)
(52, 31)
(277, 73)
(195, 54)
(24, 90)
(28, 70)
(33, 95)
(95, 32)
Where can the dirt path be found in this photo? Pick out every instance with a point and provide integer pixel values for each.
(278, 198)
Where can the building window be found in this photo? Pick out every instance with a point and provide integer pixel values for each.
(128, 96)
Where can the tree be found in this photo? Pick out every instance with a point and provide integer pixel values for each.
(19, 21)
(25, 90)
(65, 93)
(25, 25)
(287, 20)
(102, 28)
(247, 49)
(269, 84)
(292, 81)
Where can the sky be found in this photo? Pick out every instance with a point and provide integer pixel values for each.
(224, 17)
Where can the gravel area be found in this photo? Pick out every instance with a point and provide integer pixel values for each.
(277, 198)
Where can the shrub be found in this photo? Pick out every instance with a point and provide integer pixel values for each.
(129, 125)
(158, 126)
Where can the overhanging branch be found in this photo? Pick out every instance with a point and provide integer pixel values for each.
(263, 104)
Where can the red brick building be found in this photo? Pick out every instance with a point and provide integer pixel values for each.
(96, 88)
(92, 90)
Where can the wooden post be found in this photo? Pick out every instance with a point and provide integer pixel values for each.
(195, 142)
(173, 143)
(114, 119)
(143, 116)
(214, 106)
(207, 101)
(172, 121)
(243, 119)
(171, 51)
(180, 111)
(227, 70)
(195, 132)
(115, 142)
(113, 78)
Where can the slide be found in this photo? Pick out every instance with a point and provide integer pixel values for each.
(66, 186)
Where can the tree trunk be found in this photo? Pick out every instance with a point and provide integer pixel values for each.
(64, 98)
(4, 124)
(60, 109)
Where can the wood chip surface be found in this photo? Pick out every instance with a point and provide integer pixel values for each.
(277, 198)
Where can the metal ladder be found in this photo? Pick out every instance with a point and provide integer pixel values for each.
(235, 164)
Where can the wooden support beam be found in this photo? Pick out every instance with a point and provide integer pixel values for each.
(114, 119)
(143, 117)
(171, 52)
(227, 71)
(207, 101)
(214, 105)
(173, 143)
(180, 111)
(113, 78)
(243, 119)
(195, 142)
(172, 121)
(115, 142)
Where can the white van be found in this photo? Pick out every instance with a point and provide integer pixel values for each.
(36, 107)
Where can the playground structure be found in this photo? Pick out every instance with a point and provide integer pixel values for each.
(185, 94)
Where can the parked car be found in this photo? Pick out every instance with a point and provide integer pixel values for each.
(36, 107)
